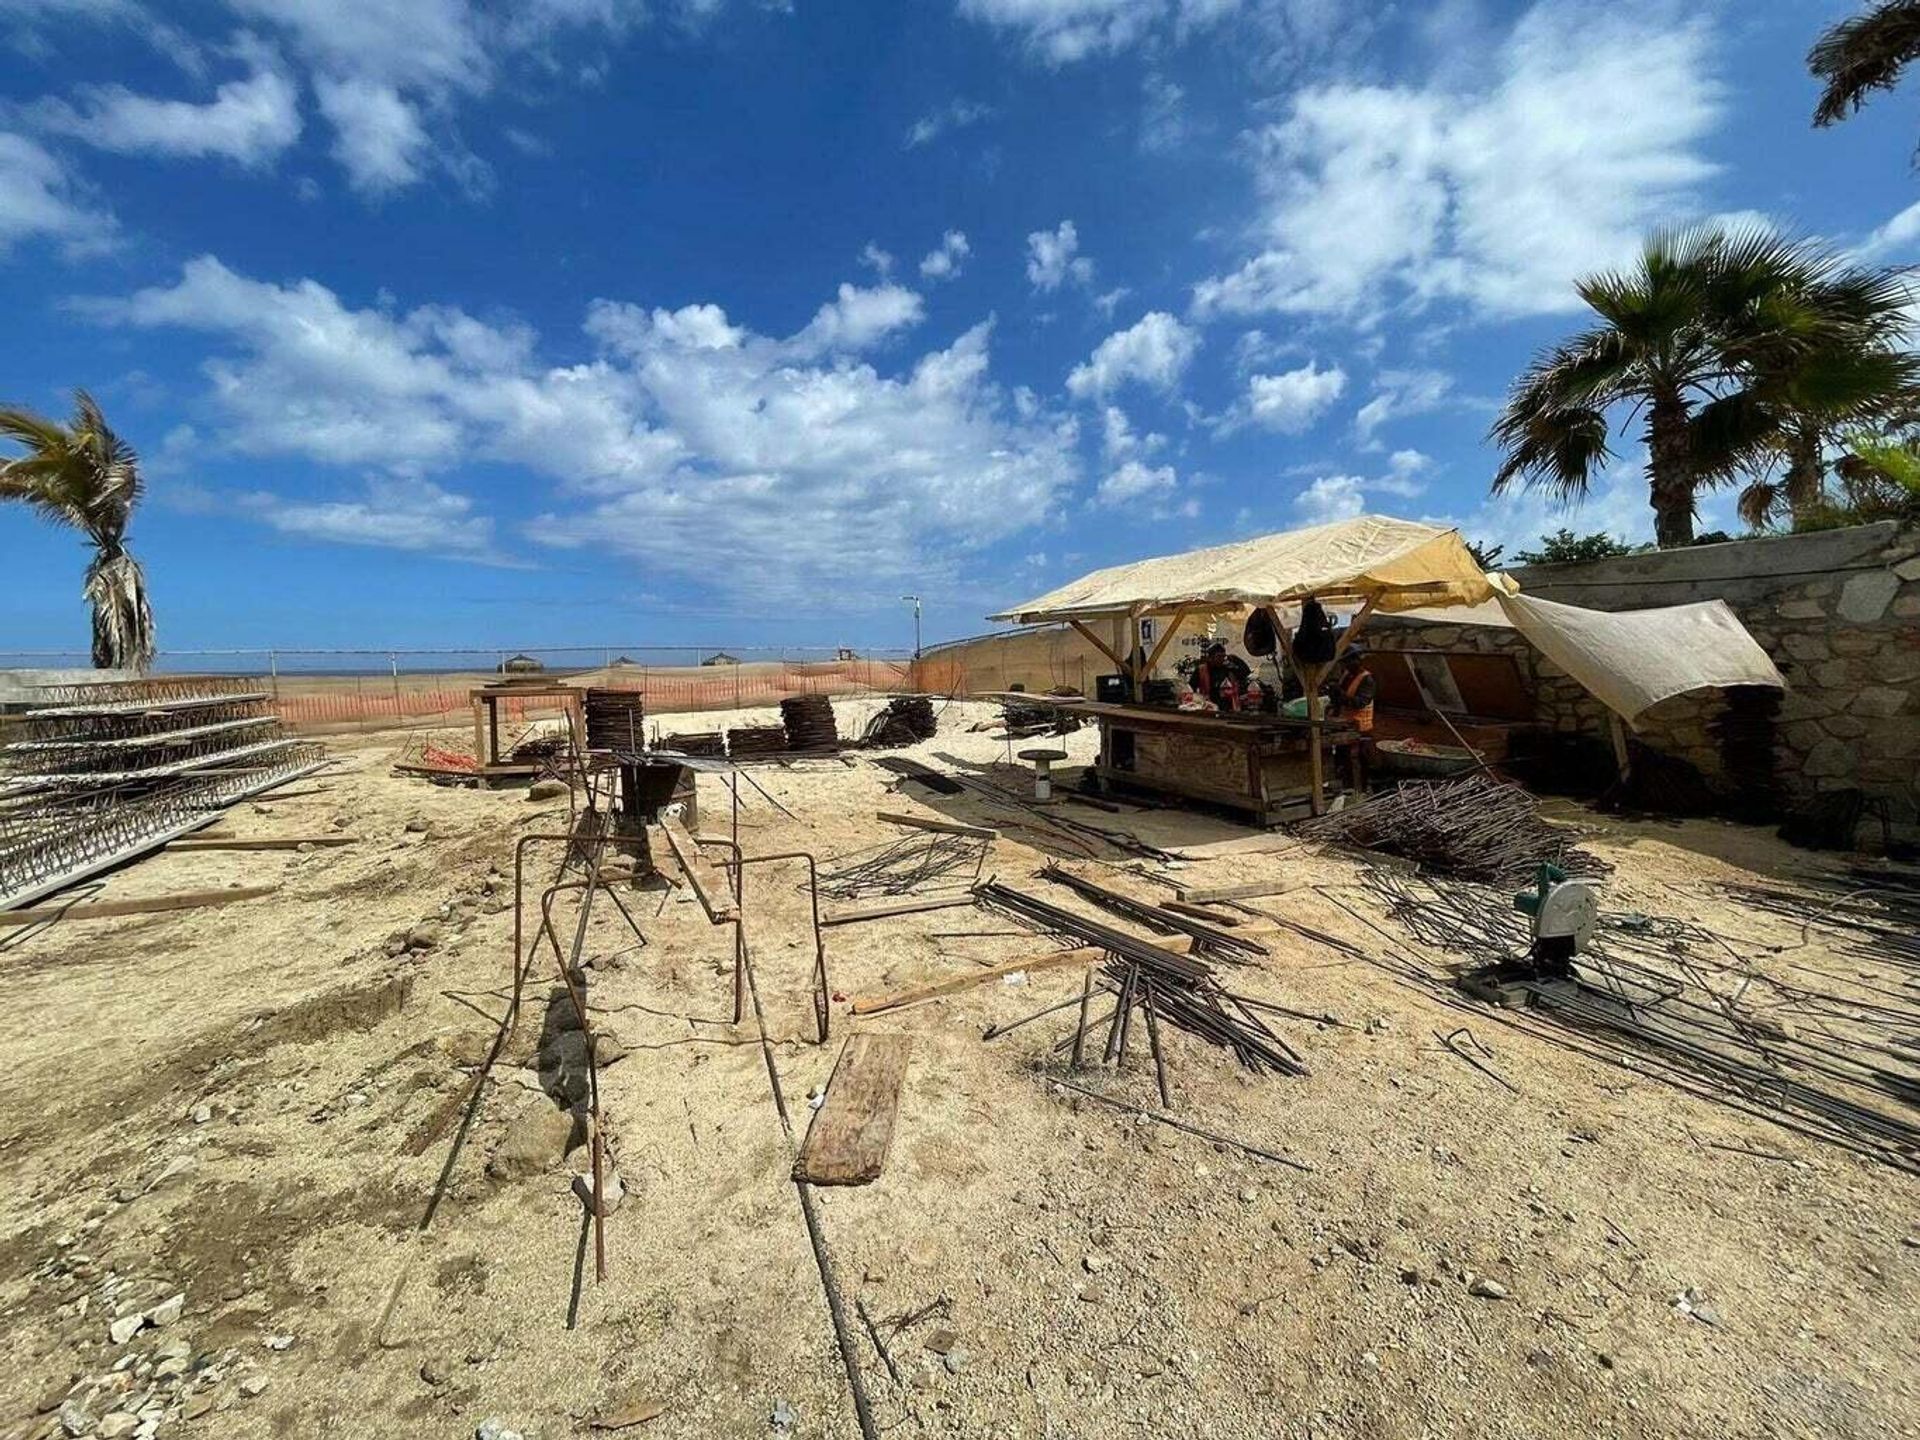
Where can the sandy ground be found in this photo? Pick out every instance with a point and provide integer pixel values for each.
(255, 1107)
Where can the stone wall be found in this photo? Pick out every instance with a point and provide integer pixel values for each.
(1839, 612)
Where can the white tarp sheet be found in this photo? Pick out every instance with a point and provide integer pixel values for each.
(1633, 659)
(1401, 563)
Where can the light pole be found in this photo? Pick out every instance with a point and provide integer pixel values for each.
(916, 623)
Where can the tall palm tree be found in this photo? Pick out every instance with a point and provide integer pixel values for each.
(82, 474)
(1862, 55)
(1677, 333)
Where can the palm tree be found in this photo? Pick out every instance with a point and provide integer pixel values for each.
(1862, 55)
(1677, 334)
(82, 474)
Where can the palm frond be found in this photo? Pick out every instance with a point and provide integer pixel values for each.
(1862, 55)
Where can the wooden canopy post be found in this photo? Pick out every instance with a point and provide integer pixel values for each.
(1160, 645)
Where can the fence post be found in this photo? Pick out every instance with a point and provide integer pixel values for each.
(273, 675)
(393, 663)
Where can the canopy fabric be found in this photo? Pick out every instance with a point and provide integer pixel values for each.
(1633, 659)
(1399, 564)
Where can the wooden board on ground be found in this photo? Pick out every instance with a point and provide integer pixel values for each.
(277, 842)
(852, 1131)
(947, 827)
(1208, 894)
(856, 913)
(1237, 845)
(716, 896)
(873, 1004)
(152, 905)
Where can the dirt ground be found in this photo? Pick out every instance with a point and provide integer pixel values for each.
(260, 1108)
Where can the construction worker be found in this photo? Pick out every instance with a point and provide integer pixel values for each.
(1221, 678)
(1351, 689)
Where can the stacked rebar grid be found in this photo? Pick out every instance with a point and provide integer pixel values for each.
(106, 771)
(809, 723)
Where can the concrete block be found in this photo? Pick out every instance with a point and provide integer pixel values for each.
(1864, 598)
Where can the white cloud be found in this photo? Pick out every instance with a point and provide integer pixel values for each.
(1291, 401)
(250, 121)
(395, 514)
(1397, 394)
(877, 260)
(1134, 481)
(1341, 497)
(1898, 236)
(378, 137)
(1053, 258)
(1118, 440)
(857, 319)
(1163, 118)
(944, 263)
(679, 437)
(1155, 351)
(1063, 31)
(39, 199)
(955, 115)
(1498, 194)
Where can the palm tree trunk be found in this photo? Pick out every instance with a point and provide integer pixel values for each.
(1805, 485)
(1670, 477)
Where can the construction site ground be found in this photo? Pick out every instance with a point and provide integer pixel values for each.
(263, 1107)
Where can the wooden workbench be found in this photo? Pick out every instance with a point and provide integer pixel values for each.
(1258, 764)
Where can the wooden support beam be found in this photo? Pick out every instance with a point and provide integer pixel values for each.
(268, 842)
(874, 1004)
(852, 1131)
(152, 905)
(716, 895)
(945, 827)
(1203, 894)
(855, 914)
(1173, 623)
(1098, 644)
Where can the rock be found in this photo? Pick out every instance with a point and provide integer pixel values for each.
(548, 790)
(74, 1418)
(396, 945)
(1865, 597)
(1094, 1263)
(196, 1406)
(941, 1341)
(167, 1311)
(1093, 1294)
(434, 1372)
(424, 936)
(537, 1140)
(494, 1428)
(171, 1368)
(125, 1328)
(253, 1385)
(1411, 1275)
(612, 1192)
(278, 1342)
(956, 1361)
(117, 1425)
(1486, 1289)
(202, 1113)
(415, 826)
(1248, 1196)
(783, 1416)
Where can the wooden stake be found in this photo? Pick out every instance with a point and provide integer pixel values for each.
(152, 905)
(277, 842)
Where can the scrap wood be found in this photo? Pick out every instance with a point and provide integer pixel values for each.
(105, 909)
(1201, 912)
(1225, 944)
(873, 1004)
(229, 841)
(637, 1412)
(949, 827)
(853, 915)
(852, 1131)
(716, 895)
(1203, 894)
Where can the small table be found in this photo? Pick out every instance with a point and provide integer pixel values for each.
(486, 723)
(1043, 770)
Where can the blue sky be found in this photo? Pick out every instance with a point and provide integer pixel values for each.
(578, 321)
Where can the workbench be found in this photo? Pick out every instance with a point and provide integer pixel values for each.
(1258, 764)
(495, 768)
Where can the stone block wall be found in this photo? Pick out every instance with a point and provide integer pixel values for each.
(1839, 612)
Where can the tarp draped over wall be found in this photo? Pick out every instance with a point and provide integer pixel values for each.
(1401, 564)
(1633, 659)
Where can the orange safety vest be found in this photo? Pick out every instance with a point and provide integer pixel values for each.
(1362, 716)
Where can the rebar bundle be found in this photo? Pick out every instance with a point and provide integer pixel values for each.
(746, 741)
(809, 723)
(1772, 1034)
(616, 720)
(897, 867)
(1037, 717)
(1477, 828)
(906, 720)
(708, 743)
(1214, 940)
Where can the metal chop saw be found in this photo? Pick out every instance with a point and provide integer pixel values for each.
(1564, 911)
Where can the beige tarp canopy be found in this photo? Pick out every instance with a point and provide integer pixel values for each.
(1397, 564)
(1630, 660)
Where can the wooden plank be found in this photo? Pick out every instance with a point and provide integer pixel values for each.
(276, 842)
(946, 827)
(152, 905)
(855, 914)
(1203, 894)
(852, 1131)
(716, 895)
(874, 1004)
(1201, 912)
